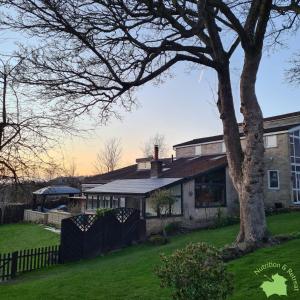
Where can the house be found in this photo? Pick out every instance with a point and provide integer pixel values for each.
(198, 177)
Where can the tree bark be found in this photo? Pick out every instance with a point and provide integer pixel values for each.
(246, 168)
(253, 226)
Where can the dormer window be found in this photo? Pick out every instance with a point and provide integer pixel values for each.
(146, 165)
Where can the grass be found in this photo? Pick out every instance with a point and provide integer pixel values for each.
(128, 274)
(25, 236)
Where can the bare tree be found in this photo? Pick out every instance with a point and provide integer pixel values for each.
(160, 141)
(293, 74)
(70, 169)
(97, 52)
(27, 132)
(109, 157)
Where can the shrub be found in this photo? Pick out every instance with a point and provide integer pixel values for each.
(157, 240)
(162, 201)
(222, 220)
(196, 272)
(172, 228)
(100, 212)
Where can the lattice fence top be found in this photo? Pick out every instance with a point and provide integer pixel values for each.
(84, 222)
(122, 214)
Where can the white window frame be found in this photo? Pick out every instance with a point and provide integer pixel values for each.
(270, 143)
(294, 164)
(198, 150)
(269, 181)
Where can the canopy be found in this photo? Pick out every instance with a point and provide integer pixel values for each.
(57, 190)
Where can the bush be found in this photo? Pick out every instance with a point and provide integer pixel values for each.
(157, 240)
(172, 228)
(100, 212)
(196, 272)
(222, 220)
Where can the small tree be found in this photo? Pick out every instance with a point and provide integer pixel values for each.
(196, 272)
(109, 156)
(160, 141)
(162, 201)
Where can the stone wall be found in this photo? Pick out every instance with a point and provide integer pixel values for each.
(200, 214)
(232, 198)
(185, 151)
(211, 148)
(154, 225)
(51, 217)
(206, 149)
(55, 217)
(278, 158)
(35, 216)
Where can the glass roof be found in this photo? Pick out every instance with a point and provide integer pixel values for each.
(132, 186)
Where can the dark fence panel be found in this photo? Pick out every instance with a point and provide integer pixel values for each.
(14, 213)
(86, 236)
(22, 261)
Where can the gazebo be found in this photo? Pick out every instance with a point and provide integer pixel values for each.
(53, 191)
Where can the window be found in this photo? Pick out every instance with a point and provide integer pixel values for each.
(273, 179)
(145, 165)
(176, 193)
(295, 164)
(270, 141)
(175, 209)
(210, 189)
(198, 150)
(115, 202)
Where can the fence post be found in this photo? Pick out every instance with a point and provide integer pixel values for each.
(14, 264)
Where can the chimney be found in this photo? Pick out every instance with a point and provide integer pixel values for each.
(155, 152)
(156, 164)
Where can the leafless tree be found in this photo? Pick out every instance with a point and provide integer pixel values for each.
(293, 74)
(27, 129)
(109, 156)
(160, 141)
(94, 54)
(27, 132)
(70, 169)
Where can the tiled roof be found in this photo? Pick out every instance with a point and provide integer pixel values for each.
(179, 168)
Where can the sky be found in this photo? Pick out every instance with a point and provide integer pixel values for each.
(182, 108)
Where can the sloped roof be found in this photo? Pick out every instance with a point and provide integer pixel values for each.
(133, 186)
(178, 168)
(219, 137)
(57, 190)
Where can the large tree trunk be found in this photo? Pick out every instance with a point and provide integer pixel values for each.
(245, 167)
(253, 222)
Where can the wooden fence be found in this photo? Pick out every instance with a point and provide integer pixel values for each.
(22, 261)
(87, 236)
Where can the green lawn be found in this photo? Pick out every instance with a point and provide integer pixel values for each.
(25, 236)
(128, 274)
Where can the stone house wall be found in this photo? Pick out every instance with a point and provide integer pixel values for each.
(278, 158)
